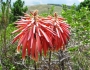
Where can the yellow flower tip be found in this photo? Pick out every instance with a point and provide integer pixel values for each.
(35, 12)
(18, 52)
(55, 15)
(18, 49)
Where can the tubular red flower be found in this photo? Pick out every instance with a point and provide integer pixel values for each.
(38, 34)
(61, 29)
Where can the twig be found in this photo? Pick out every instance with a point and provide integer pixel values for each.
(61, 63)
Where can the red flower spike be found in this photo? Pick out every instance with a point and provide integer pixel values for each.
(61, 28)
(39, 34)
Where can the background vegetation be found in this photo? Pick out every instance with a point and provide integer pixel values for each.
(17, 10)
(77, 54)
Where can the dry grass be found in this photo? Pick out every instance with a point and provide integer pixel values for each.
(44, 8)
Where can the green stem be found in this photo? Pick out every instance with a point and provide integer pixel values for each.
(35, 65)
(49, 60)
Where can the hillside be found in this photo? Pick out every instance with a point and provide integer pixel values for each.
(44, 8)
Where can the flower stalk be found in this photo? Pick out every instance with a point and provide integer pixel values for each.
(49, 60)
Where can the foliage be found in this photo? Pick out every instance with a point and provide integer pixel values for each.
(51, 11)
(5, 6)
(0, 18)
(4, 23)
(85, 3)
(18, 9)
(6, 59)
(80, 37)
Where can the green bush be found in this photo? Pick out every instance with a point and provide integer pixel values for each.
(85, 3)
(18, 9)
(80, 36)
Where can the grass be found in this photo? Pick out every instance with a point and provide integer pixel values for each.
(44, 8)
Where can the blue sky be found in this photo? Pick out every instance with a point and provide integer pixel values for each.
(35, 2)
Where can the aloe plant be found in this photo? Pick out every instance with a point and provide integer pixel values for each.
(39, 34)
